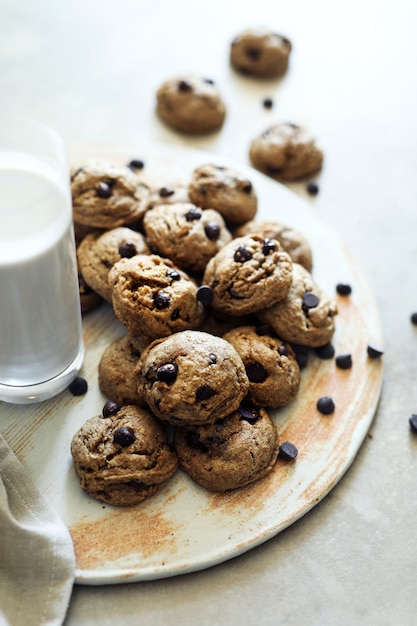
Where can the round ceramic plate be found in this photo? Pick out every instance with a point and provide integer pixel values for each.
(184, 528)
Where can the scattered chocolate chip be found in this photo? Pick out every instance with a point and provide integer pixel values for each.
(161, 300)
(325, 405)
(343, 289)
(247, 413)
(124, 436)
(212, 231)
(204, 392)
(127, 250)
(193, 214)
(167, 373)
(301, 355)
(104, 190)
(268, 103)
(136, 164)
(173, 274)
(413, 422)
(374, 352)
(209, 81)
(193, 441)
(325, 352)
(312, 188)
(344, 361)
(78, 387)
(310, 300)
(184, 85)
(242, 254)
(247, 188)
(165, 192)
(212, 359)
(205, 295)
(268, 247)
(110, 408)
(255, 371)
(287, 451)
(413, 318)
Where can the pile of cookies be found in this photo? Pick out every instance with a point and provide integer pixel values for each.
(215, 304)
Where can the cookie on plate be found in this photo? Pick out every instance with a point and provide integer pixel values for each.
(99, 251)
(230, 453)
(186, 234)
(116, 370)
(270, 364)
(225, 189)
(123, 458)
(290, 238)
(153, 298)
(260, 52)
(286, 152)
(191, 377)
(306, 315)
(191, 104)
(248, 274)
(106, 195)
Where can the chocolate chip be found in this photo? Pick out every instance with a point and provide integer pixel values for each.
(268, 247)
(175, 314)
(127, 250)
(167, 373)
(242, 254)
(301, 355)
(136, 164)
(104, 190)
(248, 413)
(202, 190)
(287, 451)
(193, 441)
(326, 351)
(185, 86)
(110, 408)
(192, 214)
(235, 294)
(205, 295)
(374, 352)
(413, 318)
(253, 53)
(212, 359)
(173, 274)
(204, 392)
(310, 300)
(79, 386)
(124, 436)
(264, 329)
(282, 350)
(209, 81)
(344, 361)
(247, 188)
(343, 289)
(161, 300)
(325, 405)
(312, 188)
(212, 231)
(165, 192)
(255, 372)
(137, 485)
(413, 422)
(268, 103)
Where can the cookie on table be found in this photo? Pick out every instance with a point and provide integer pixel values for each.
(123, 458)
(191, 377)
(168, 194)
(106, 195)
(224, 189)
(290, 238)
(186, 234)
(286, 152)
(153, 298)
(306, 315)
(116, 370)
(230, 453)
(248, 274)
(260, 52)
(191, 104)
(99, 251)
(270, 364)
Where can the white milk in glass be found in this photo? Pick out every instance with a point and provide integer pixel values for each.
(40, 321)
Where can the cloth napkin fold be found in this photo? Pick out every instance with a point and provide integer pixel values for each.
(37, 562)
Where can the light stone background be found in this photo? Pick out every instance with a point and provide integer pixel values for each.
(90, 68)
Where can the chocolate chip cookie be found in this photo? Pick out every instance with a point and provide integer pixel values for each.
(123, 458)
(260, 52)
(191, 377)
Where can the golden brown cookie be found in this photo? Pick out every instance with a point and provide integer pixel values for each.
(122, 458)
(306, 315)
(153, 298)
(230, 453)
(191, 104)
(224, 189)
(191, 377)
(270, 364)
(260, 52)
(286, 152)
(248, 274)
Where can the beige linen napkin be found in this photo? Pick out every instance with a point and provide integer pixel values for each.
(37, 562)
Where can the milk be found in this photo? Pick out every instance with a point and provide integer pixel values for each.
(40, 320)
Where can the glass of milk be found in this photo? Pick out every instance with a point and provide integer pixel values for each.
(41, 347)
